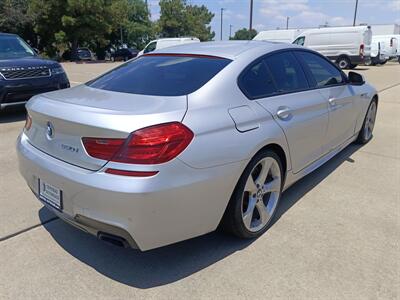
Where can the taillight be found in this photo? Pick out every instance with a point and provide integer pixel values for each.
(151, 145)
(28, 122)
(102, 148)
(362, 50)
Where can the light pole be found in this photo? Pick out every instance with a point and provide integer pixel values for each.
(287, 22)
(355, 13)
(230, 31)
(222, 15)
(251, 15)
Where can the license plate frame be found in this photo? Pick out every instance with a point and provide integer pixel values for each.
(50, 194)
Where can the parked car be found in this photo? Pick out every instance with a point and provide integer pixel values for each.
(85, 54)
(124, 54)
(347, 46)
(209, 134)
(279, 35)
(23, 73)
(167, 42)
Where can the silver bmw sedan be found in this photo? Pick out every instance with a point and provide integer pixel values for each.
(173, 144)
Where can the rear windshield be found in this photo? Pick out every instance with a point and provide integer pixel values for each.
(161, 75)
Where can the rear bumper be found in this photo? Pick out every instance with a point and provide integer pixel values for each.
(359, 60)
(178, 203)
(17, 92)
(354, 59)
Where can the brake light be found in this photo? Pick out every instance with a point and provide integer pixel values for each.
(28, 122)
(151, 145)
(102, 148)
(362, 50)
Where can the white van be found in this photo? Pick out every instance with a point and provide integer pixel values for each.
(347, 46)
(167, 42)
(279, 35)
(383, 48)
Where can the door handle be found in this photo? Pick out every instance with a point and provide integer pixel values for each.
(284, 113)
(332, 101)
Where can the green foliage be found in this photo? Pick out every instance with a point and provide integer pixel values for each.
(15, 19)
(244, 34)
(133, 18)
(178, 19)
(55, 26)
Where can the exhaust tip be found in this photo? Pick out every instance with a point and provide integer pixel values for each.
(113, 239)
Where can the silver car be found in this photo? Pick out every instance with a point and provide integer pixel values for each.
(175, 143)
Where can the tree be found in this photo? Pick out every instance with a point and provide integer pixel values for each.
(133, 19)
(244, 34)
(198, 20)
(86, 20)
(65, 24)
(15, 19)
(177, 19)
(46, 16)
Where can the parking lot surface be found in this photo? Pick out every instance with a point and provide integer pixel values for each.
(336, 233)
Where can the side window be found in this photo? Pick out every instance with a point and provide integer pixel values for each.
(324, 73)
(299, 41)
(150, 47)
(256, 82)
(286, 72)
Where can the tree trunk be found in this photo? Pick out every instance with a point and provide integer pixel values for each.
(74, 52)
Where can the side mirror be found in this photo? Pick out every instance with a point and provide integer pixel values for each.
(356, 79)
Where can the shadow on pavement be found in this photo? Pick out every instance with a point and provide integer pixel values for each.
(13, 115)
(175, 262)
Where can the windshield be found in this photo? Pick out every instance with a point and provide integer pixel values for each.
(14, 47)
(161, 75)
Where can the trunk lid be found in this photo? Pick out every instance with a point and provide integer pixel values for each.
(60, 119)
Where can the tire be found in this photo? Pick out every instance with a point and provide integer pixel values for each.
(252, 206)
(365, 134)
(112, 58)
(384, 62)
(126, 58)
(343, 62)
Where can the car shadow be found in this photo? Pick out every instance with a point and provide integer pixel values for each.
(13, 115)
(174, 262)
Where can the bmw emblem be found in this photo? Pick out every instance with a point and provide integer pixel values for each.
(50, 130)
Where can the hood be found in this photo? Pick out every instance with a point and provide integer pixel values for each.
(34, 61)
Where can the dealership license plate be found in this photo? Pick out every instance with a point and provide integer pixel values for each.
(50, 194)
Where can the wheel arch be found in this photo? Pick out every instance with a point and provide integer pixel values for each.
(280, 152)
(276, 148)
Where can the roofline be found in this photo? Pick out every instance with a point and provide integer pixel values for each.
(5, 33)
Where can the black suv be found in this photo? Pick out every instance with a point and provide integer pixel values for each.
(124, 54)
(23, 73)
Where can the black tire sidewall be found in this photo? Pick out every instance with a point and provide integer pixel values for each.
(345, 59)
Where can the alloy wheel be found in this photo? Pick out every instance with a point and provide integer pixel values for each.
(261, 194)
(370, 121)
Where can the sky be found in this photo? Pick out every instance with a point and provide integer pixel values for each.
(271, 14)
